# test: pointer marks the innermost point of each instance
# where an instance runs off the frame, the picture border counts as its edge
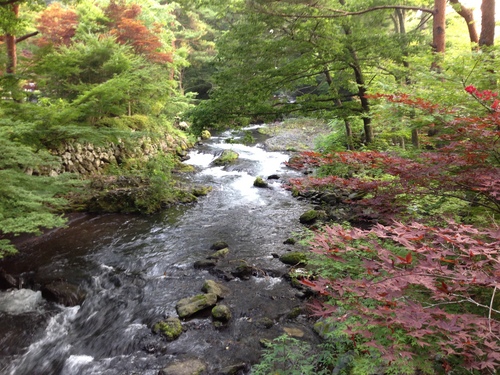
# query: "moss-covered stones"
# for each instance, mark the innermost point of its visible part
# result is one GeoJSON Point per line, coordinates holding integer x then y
{"type": "Point", "coordinates": [294, 258]}
{"type": "Point", "coordinates": [171, 328]}
{"type": "Point", "coordinates": [227, 157]}
{"type": "Point", "coordinates": [191, 305]}
{"type": "Point", "coordinates": [221, 313]}
{"type": "Point", "coordinates": [260, 183]}
{"type": "Point", "coordinates": [309, 217]}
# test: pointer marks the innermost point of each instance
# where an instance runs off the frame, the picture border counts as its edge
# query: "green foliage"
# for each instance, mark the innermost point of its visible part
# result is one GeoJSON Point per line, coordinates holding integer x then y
{"type": "Point", "coordinates": [29, 202]}
{"type": "Point", "coordinates": [286, 356]}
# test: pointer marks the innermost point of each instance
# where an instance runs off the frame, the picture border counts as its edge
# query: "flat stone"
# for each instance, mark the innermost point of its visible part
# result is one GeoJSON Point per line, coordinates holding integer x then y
{"type": "Point", "coordinates": [187, 367]}
{"type": "Point", "coordinates": [211, 286]}
{"type": "Point", "coordinates": [191, 305]}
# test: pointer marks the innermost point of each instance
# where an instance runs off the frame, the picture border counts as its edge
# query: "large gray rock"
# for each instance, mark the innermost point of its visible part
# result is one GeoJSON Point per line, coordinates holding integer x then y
{"type": "Point", "coordinates": [191, 305]}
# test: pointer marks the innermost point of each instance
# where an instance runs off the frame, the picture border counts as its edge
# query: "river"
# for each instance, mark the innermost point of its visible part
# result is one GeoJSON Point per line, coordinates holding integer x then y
{"type": "Point", "coordinates": [134, 269]}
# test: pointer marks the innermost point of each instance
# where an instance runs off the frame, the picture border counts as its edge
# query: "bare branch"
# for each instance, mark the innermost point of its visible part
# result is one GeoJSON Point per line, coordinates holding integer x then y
{"type": "Point", "coordinates": [336, 13]}
{"type": "Point", "coordinates": [24, 37]}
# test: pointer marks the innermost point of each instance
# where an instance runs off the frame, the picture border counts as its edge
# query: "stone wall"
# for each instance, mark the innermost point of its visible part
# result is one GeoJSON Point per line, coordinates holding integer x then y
{"type": "Point", "coordinates": [88, 159]}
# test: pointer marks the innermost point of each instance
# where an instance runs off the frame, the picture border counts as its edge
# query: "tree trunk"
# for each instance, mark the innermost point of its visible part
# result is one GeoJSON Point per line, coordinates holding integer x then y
{"type": "Point", "coordinates": [438, 32]}
{"type": "Point", "coordinates": [365, 104]}
{"type": "Point", "coordinates": [10, 41]}
{"type": "Point", "coordinates": [487, 23]}
{"type": "Point", "coordinates": [468, 17]}
{"type": "Point", "coordinates": [338, 102]}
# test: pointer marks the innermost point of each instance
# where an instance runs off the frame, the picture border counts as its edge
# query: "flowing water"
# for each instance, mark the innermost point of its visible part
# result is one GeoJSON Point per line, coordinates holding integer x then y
{"type": "Point", "coordinates": [134, 269]}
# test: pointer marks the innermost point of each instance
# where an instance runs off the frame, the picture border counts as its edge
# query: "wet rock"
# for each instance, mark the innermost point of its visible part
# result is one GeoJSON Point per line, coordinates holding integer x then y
{"type": "Point", "coordinates": [201, 191]}
{"type": "Point", "coordinates": [204, 264]}
{"type": "Point", "coordinates": [243, 271]}
{"type": "Point", "coordinates": [222, 274]}
{"type": "Point", "coordinates": [221, 313]}
{"type": "Point", "coordinates": [205, 134]}
{"type": "Point", "coordinates": [290, 241]}
{"type": "Point", "coordinates": [330, 199]}
{"type": "Point", "coordinates": [237, 369]}
{"type": "Point", "coordinates": [294, 313]}
{"type": "Point", "coordinates": [186, 367]}
{"type": "Point", "coordinates": [273, 177]}
{"type": "Point", "coordinates": [191, 305]}
{"type": "Point", "coordinates": [309, 217]}
{"type": "Point", "coordinates": [63, 293]}
{"type": "Point", "coordinates": [260, 183]}
{"type": "Point", "coordinates": [266, 322]}
{"type": "Point", "coordinates": [227, 157]}
{"type": "Point", "coordinates": [170, 328]}
{"type": "Point", "coordinates": [6, 280]}
{"type": "Point", "coordinates": [219, 254]}
{"type": "Point", "coordinates": [219, 245]}
{"type": "Point", "coordinates": [211, 286]}
{"type": "Point", "coordinates": [294, 332]}
{"type": "Point", "coordinates": [294, 258]}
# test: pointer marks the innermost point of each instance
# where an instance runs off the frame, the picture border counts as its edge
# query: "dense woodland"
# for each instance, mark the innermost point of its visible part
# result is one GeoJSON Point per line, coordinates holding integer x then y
{"type": "Point", "coordinates": [408, 87]}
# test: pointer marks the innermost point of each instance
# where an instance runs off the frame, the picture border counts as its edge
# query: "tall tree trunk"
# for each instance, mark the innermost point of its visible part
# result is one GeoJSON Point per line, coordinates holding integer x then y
{"type": "Point", "coordinates": [438, 33]}
{"type": "Point", "coordinates": [468, 16]}
{"type": "Point", "coordinates": [10, 41]}
{"type": "Point", "coordinates": [365, 104]}
{"type": "Point", "coordinates": [487, 23]}
{"type": "Point", "coordinates": [338, 102]}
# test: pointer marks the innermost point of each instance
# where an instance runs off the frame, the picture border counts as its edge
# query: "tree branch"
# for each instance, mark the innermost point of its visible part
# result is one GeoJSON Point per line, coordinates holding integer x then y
{"type": "Point", "coordinates": [7, 2]}
{"type": "Point", "coordinates": [24, 37]}
{"type": "Point", "coordinates": [342, 13]}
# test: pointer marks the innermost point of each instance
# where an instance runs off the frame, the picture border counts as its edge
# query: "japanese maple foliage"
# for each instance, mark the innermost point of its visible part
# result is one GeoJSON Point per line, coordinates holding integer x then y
{"type": "Point", "coordinates": [420, 291]}
{"type": "Point", "coordinates": [57, 25]}
{"type": "Point", "coordinates": [409, 279]}
{"type": "Point", "coordinates": [129, 29]}
{"type": "Point", "coordinates": [462, 162]}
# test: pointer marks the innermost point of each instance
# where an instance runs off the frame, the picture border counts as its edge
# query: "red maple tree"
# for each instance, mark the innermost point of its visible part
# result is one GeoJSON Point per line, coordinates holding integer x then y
{"type": "Point", "coordinates": [128, 29]}
{"type": "Point", "coordinates": [57, 25]}
{"type": "Point", "coordinates": [414, 289]}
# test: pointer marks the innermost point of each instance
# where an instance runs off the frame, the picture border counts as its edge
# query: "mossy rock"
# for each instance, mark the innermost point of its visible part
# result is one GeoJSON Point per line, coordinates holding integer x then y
{"type": "Point", "coordinates": [219, 245]}
{"type": "Point", "coordinates": [259, 182]}
{"type": "Point", "coordinates": [171, 328]}
{"type": "Point", "coordinates": [191, 305]}
{"type": "Point", "coordinates": [227, 157]}
{"type": "Point", "coordinates": [294, 258]}
{"type": "Point", "coordinates": [219, 254]}
{"type": "Point", "coordinates": [309, 217]}
{"type": "Point", "coordinates": [205, 134]}
{"type": "Point", "coordinates": [221, 313]}
{"type": "Point", "coordinates": [201, 191]}
{"type": "Point", "coordinates": [210, 286]}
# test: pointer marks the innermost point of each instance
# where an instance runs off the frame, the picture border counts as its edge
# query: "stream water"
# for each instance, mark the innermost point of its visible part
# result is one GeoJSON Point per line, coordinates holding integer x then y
{"type": "Point", "coordinates": [134, 269]}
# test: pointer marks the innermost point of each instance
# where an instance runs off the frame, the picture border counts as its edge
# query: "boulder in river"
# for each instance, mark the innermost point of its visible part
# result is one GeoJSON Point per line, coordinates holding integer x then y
{"type": "Point", "coordinates": [64, 293]}
{"type": "Point", "coordinates": [227, 157]}
{"type": "Point", "coordinates": [221, 313]}
{"type": "Point", "coordinates": [171, 328]}
{"type": "Point", "coordinates": [191, 305]}
{"type": "Point", "coordinates": [219, 245]}
{"type": "Point", "coordinates": [204, 264]}
{"type": "Point", "coordinates": [219, 253]}
{"type": "Point", "coordinates": [211, 286]}
{"type": "Point", "coordinates": [205, 134]}
{"type": "Point", "coordinates": [259, 182]}
{"type": "Point", "coordinates": [186, 367]}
